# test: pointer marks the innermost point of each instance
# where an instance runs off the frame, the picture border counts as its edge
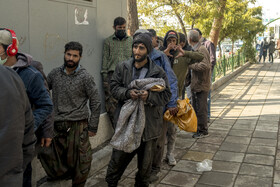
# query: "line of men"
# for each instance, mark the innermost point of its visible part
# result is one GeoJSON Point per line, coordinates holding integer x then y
{"type": "Point", "coordinates": [63, 125]}
{"type": "Point", "coordinates": [175, 58]}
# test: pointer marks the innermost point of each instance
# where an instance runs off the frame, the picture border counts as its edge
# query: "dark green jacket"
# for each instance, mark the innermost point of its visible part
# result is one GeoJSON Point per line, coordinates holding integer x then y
{"type": "Point", "coordinates": [122, 77]}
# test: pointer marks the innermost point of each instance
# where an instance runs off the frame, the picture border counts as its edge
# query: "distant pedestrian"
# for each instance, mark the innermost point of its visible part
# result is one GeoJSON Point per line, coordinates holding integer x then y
{"type": "Point", "coordinates": [138, 67]}
{"type": "Point", "coordinates": [271, 49]}
{"type": "Point", "coordinates": [263, 50]}
{"type": "Point", "coordinates": [17, 137]}
{"type": "Point", "coordinates": [200, 84]}
{"type": "Point", "coordinates": [72, 87]}
{"type": "Point", "coordinates": [116, 49]}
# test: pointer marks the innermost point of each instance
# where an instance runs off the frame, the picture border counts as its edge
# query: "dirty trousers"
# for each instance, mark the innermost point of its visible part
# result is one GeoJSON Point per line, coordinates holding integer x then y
{"type": "Point", "coordinates": [70, 154]}
{"type": "Point", "coordinates": [120, 160]}
{"type": "Point", "coordinates": [199, 103]}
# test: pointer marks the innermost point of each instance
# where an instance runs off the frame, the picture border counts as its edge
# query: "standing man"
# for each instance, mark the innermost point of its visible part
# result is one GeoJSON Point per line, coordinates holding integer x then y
{"type": "Point", "coordinates": [17, 128]}
{"type": "Point", "coordinates": [72, 87]}
{"type": "Point", "coordinates": [125, 73]}
{"type": "Point", "coordinates": [200, 84]}
{"type": "Point", "coordinates": [271, 49]}
{"type": "Point", "coordinates": [38, 95]}
{"type": "Point", "coordinates": [263, 50]}
{"type": "Point", "coordinates": [212, 52]}
{"type": "Point", "coordinates": [278, 47]}
{"type": "Point", "coordinates": [160, 59]}
{"type": "Point", "coordinates": [117, 48]}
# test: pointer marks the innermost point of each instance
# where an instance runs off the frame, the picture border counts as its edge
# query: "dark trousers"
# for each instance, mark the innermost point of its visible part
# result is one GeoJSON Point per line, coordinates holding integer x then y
{"type": "Point", "coordinates": [271, 57]}
{"type": "Point", "coordinates": [120, 160]}
{"type": "Point", "coordinates": [27, 176]}
{"type": "Point", "coordinates": [110, 102]}
{"type": "Point", "coordinates": [159, 149]}
{"type": "Point", "coordinates": [200, 107]}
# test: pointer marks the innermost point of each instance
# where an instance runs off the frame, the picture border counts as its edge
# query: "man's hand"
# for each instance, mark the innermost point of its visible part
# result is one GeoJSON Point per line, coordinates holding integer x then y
{"type": "Point", "coordinates": [173, 110]}
{"type": "Point", "coordinates": [134, 94]}
{"type": "Point", "coordinates": [181, 52]}
{"type": "Point", "coordinates": [144, 95]}
{"type": "Point", "coordinates": [46, 142]}
{"type": "Point", "coordinates": [91, 134]}
{"type": "Point", "coordinates": [169, 47]}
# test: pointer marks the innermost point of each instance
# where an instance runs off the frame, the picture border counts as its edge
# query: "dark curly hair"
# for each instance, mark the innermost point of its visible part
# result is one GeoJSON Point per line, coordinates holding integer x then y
{"type": "Point", "coordinates": [74, 46]}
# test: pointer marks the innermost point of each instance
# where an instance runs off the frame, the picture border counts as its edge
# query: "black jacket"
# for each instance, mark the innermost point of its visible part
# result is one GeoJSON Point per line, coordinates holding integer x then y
{"type": "Point", "coordinates": [122, 77]}
{"type": "Point", "coordinates": [17, 137]}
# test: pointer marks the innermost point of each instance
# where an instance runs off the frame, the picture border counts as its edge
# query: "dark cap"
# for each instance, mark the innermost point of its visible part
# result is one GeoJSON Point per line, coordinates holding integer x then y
{"type": "Point", "coordinates": [144, 38]}
{"type": "Point", "coordinates": [171, 34]}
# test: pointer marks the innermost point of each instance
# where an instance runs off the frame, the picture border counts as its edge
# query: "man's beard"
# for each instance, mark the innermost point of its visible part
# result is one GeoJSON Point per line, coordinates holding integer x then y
{"type": "Point", "coordinates": [140, 59]}
{"type": "Point", "coordinates": [73, 65]}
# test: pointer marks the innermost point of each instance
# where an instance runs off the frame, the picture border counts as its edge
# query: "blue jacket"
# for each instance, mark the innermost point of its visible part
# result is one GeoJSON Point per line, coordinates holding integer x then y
{"type": "Point", "coordinates": [38, 95]}
{"type": "Point", "coordinates": [161, 60]}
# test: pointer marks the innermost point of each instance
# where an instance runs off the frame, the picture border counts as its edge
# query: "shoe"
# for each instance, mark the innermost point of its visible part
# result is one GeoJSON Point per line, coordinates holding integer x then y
{"type": "Point", "coordinates": [153, 178]}
{"type": "Point", "coordinates": [171, 160]}
{"type": "Point", "coordinates": [200, 135]}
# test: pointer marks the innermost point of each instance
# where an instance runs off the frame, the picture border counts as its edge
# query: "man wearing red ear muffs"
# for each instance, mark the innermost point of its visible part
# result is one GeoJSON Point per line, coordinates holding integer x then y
{"type": "Point", "coordinates": [37, 93]}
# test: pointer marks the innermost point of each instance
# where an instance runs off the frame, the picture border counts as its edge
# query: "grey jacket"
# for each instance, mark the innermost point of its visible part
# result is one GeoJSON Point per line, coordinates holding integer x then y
{"type": "Point", "coordinates": [17, 137]}
{"type": "Point", "coordinates": [122, 77]}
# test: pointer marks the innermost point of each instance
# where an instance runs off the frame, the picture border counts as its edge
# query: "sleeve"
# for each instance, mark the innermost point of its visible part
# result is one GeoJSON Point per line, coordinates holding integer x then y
{"type": "Point", "coordinates": [29, 139]}
{"type": "Point", "coordinates": [116, 85]}
{"type": "Point", "coordinates": [194, 55]}
{"type": "Point", "coordinates": [40, 98]}
{"type": "Point", "coordinates": [49, 80]}
{"type": "Point", "coordinates": [202, 65]}
{"type": "Point", "coordinates": [105, 59]}
{"type": "Point", "coordinates": [94, 104]}
{"type": "Point", "coordinates": [173, 82]}
{"type": "Point", "coordinates": [212, 52]}
{"type": "Point", "coordinates": [160, 98]}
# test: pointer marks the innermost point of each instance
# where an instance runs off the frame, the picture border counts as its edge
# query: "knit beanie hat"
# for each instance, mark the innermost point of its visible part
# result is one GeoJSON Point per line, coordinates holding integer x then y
{"type": "Point", "coordinates": [5, 37]}
{"type": "Point", "coordinates": [144, 38]}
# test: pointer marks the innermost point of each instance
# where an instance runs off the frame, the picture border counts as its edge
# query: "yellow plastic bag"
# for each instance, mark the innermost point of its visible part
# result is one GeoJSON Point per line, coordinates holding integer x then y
{"type": "Point", "coordinates": [186, 118]}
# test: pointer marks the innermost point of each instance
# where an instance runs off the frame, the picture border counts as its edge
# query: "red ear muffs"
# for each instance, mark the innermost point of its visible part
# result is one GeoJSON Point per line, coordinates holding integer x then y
{"type": "Point", "coordinates": [12, 49]}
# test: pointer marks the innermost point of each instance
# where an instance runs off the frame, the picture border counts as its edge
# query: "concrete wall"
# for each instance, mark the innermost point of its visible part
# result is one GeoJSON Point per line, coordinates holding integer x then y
{"type": "Point", "coordinates": [44, 26]}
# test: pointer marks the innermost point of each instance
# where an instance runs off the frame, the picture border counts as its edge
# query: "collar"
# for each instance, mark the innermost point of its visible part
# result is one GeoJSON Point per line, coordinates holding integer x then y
{"type": "Point", "coordinates": [116, 38]}
{"type": "Point", "coordinates": [195, 47]}
{"type": "Point", "coordinates": [75, 71]}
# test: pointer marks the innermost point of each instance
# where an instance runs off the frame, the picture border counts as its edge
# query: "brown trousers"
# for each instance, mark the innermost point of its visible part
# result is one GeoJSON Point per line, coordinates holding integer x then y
{"type": "Point", "coordinates": [70, 154]}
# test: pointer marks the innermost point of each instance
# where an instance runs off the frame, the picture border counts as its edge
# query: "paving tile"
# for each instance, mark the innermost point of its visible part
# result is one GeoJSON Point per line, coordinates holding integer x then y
{"type": "Point", "coordinates": [197, 156]}
{"type": "Point", "coordinates": [265, 134]}
{"type": "Point", "coordinates": [225, 121]}
{"type": "Point", "coordinates": [203, 147]}
{"type": "Point", "coordinates": [264, 142]}
{"type": "Point", "coordinates": [276, 176]}
{"type": "Point", "coordinates": [263, 150]}
{"type": "Point", "coordinates": [259, 159]}
{"type": "Point", "coordinates": [127, 182]}
{"type": "Point", "coordinates": [234, 147]}
{"type": "Point", "coordinates": [236, 132]}
{"type": "Point", "coordinates": [180, 179]}
{"type": "Point", "coordinates": [184, 143]}
{"type": "Point", "coordinates": [244, 126]}
{"type": "Point", "coordinates": [227, 167]}
{"type": "Point", "coordinates": [212, 139]}
{"type": "Point", "coordinates": [277, 165]}
{"type": "Point", "coordinates": [220, 126]}
{"type": "Point", "coordinates": [186, 166]}
{"type": "Point", "coordinates": [237, 139]}
{"type": "Point", "coordinates": [257, 170]}
{"type": "Point", "coordinates": [252, 181]}
{"type": "Point", "coordinates": [217, 178]}
{"type": "Point", "coordinates": [229, 156]}
{"type": "Point", "coordinates": [251, 121]}
{"type": "Point", "coordinates": [267, 128]}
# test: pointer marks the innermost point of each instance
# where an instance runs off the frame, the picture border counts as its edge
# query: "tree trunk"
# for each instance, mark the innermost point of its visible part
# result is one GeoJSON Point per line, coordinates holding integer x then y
{"type": "Point", "coordinates": [132, 17]}
{"type": "Point", "coordinates": [217, 23]}
{"type": "Point", "coordinates": [220, 48]}
{"type": "Point", "coordinates": [181, 23]}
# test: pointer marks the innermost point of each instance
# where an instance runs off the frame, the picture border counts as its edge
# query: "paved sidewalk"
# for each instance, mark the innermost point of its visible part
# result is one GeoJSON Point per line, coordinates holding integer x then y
{"type": "Point", "coordinates": [243, 141]}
